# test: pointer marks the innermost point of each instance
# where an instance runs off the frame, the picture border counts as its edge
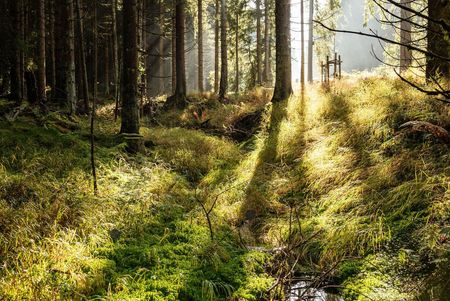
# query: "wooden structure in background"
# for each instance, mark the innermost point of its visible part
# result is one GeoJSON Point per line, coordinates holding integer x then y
{"type": "Point", "coordinates": [337, 68]}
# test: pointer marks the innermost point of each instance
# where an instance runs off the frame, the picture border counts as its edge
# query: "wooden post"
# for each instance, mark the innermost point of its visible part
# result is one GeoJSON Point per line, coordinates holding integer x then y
{"type": "Point", "coordinates": [335, 66]}
{"type": "Point", "coordinates": [340, 67]}
{"type": "Point", "coordinates": [321, 72]}
{"type": "Point", "coordinates": [328, 70]}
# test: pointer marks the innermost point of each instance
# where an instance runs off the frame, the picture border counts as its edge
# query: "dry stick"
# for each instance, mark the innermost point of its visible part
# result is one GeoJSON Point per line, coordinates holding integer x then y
{"type": "Point", "coordinates": [94, 173]}
{"type": "Point", "coordinates": [207, 211]}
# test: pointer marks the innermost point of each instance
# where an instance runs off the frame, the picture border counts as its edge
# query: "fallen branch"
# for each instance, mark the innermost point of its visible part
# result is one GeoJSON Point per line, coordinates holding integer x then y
{"type": "Point", "coordinates": [425, 127]}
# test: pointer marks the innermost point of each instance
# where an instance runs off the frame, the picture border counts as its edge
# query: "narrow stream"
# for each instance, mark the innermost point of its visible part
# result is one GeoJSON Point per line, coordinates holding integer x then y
{"type": "Point", "coordinates": [302, 291]}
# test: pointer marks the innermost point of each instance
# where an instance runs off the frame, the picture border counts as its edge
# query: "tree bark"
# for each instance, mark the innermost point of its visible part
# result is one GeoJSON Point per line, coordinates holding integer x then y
{"type": "Point", "coordinates": [130, 108]}
{"type": "Point", "coordinates": [83, 69]}
{"type": "Point", "coordinates": [258, 43]}
{"type": "Point", "coordinates": [70, 69]}
{"type": "Point", "coordinates": [15, 60]}
{"type": "Point", "coordinates": [311, 41]}
{"type": "Point", "coordinates": [95, 53]}
{"type": "Point", "coordinates": [216, 47]}
{"type": "Point", "coordinates": [107, 64]}
{"type": "Point", "coordinates": [51, 72]}
{"type": "Point", "coordinates": [224, 51]}
{"type": "Point", "coordinates": [302, 45]}
{"type": "Point", "coordinates": [115, 49]}
{"type": "Point", "coordinates": [41, 78]}
{"type": "Point", "coordinates": [405, 37]}
{"type": "Point", "coordinates": [283, 81]}
{"type": "Point", "coordinates": [437, 43]}
{"type": "Point", "coordinates": [178, 99]}
{"type": "Point", "coordinates": [267, 72]}
{"type": "Point", "coordinates": [236, 44]}
{"type": "Point", "coordinates": [200, 45]}
{"type": "Point", "coordinates": [174, 51]}
{"type": "Point", "coordinates": [161, 48]}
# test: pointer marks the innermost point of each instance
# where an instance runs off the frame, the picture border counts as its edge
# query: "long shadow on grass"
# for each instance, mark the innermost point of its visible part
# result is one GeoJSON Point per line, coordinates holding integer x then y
{"type": "Point", "coordinates": [259, 204]}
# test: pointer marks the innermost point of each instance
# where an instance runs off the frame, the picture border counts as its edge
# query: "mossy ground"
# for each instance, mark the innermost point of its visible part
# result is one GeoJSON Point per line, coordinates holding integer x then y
{"type": "Point", "coordinates": [376, 203]}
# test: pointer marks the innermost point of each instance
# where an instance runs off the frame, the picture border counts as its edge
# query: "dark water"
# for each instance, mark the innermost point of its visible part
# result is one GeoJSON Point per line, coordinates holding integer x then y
{"type": "Point", "coordinates": [302, 291]}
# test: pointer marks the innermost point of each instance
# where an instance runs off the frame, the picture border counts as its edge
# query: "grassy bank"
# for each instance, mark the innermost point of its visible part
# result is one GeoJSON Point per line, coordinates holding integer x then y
{"type": "Point", "coordinates": [329, 169]}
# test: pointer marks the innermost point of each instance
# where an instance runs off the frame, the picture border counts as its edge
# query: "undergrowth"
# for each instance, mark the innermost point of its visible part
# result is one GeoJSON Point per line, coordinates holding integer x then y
{"type": "Point", "coordinates": [329, 167]}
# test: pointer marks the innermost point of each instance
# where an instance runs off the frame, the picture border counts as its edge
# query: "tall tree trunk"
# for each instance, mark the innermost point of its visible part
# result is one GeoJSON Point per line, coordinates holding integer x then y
{"type": "Point", "coordinates": [236, 45]}
{"type": "Point", "coordinates": [216, 46]}
{"type": "Point", "coordinates": [283, 81]}
{"type": "Point", "coordinates": [16, 70]}
{"type": "Point", "coordinates": [405, 37]}
{"type": "Point", "coordinates": [62, 20]}
{"type": "Point", "coordinates": [174, 50]}
{"type": "Point", "coordinates": [200, 45]}
{"type": "Point", "coordinates": [83, 69]}
{"type": "Point", "coordinates": [70, 68]}
{"type": "Point", "coordinates": [179, 98]}
{"type": "Point", "coordinates": [302, 45]}
{"type": "Point", "coordinates": [437, 43]}
{"type": "Point", "coordinates": [107, 70]}
{"type": "Point", "coordinates": [161, 47]}
{"type": "Point", "coordinates": [267, 72]}
{"type": "Point", "coordinates": [51, 72]}
{"type": "Point", "coordinates": [258, 43]}
{"type": "Point", "coordinates": [41, 78]}
{"type": "Point", "coordinates": [224, 51]}
{"type": "Point", "coordinates": [95, 53]}
{"type": "Point", "coordinates": [23, 37]}
{"type": "Point", "coordinates": [115, 57]}
{"type": "Point", "coordinates": [311, 41]}
{"type": "Point", "coordinates": [130, 108]}
{"type": "Point", "coordinates": [143, 56]}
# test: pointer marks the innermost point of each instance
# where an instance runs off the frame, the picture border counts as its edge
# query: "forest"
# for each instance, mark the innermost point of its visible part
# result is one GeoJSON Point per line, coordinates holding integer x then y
{"type": "Point", "coordinates": [234, 150]}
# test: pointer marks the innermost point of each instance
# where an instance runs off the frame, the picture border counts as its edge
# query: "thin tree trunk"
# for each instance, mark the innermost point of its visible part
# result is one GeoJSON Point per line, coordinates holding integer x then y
{"type": "Point", "coordinates": [93, 168]}
{"type": "Point", "coordinates": [23, 37]}
{"type": "Point", "coordinates": [258, 43]}
{"type": "Point", "coordinates": [236, 43]}
{"type": "Point", "coordinates": [224, 51]}
{"type": "Point", "coordinates": [115, 49]}
{"type": "Point", "coordinates": [216, 47]}
{"type": "Point", "coordinates": [95, 53]}
{"type": "Point", "coordinates": [179, 98]}
{"type": "Point", "coordinates": [143, 57]}
{"type": "Point", "coordinates": [405, 37]}
{"type": "Point", "coordinates": [70, 69]}
{"type": "Point", "coordinates": [130, 108]}
{"type": "Point", "coordinates": [302, 45]}
{"type": "Point", "coordinates": [51, 46]}
{"type": "Point", "coordinates": [200, 46]}
{"type": "Point", "coordinates": [107, 64]}
{"type": "Point", "coordinates": [311, 41]}
{"type": "Point", "coordinates": [267, 73]}
{"type": "Point", "coordinates": [94, 98]}
{"type": "Point", "coordinates": [41, 78]}
{"type": "Point", "coordinates": [16, 70]}
{"type": "Point", "coordinates": [174, 52]}
{"type": "Point", "coordinates": [283, 81]}
{"type": "Point", "coordinates": [83, 69]}
{"type": "Point", "coordinates": [62, 20]}
{"type": "Point", "coordinates": [161, 47]}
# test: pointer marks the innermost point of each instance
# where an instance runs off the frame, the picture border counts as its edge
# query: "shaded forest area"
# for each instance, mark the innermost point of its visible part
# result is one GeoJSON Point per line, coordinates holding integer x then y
{"type": "Point", "coordinates": [221, 150]}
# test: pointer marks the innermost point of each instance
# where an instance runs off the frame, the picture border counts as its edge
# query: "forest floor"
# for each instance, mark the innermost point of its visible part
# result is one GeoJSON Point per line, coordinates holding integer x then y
{"type": "Point", "coordinates": [369, 203]}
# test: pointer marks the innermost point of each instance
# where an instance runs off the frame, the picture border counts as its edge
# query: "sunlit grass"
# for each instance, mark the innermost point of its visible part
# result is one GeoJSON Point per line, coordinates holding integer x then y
{"type": "Point", "coordinates": [332, 155]}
